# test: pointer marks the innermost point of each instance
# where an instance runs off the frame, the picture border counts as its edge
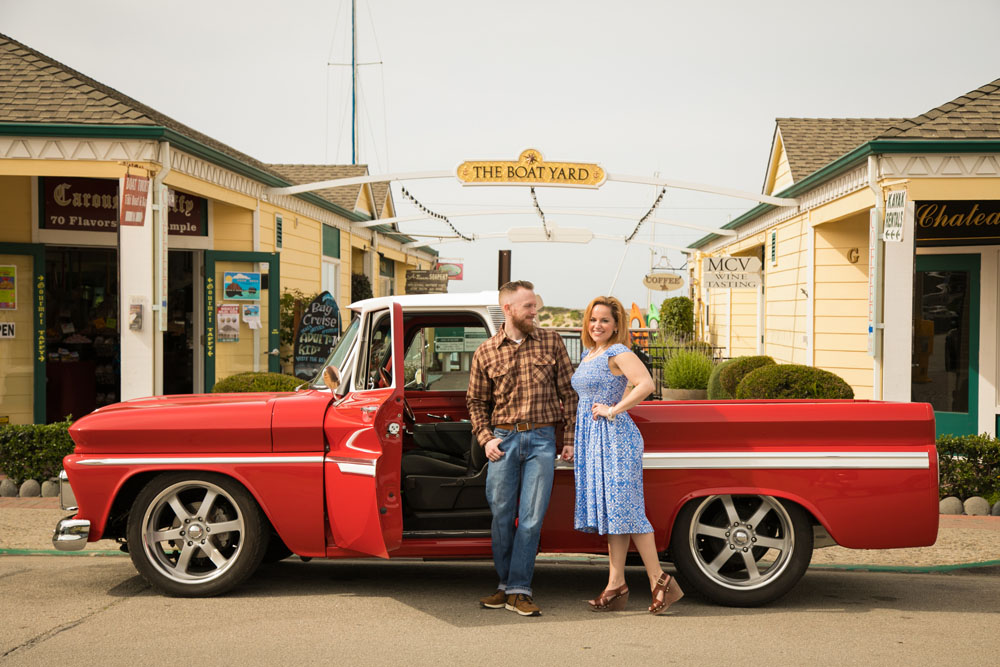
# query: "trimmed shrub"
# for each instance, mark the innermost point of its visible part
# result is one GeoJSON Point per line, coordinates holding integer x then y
{"type": "Point", "coordinates": [730, 376]}
{"type": "Point", "coordinates": [970, 466]}
{"type": "Point", "coordinates": [34, 451]}
{"type": "Point", "coordinates": [677, 316]}
{"type": "Point", "coordinates": [792, 381]}
{"type": "Point", "coordinates": [361, 287]}
{"type": "Point", "coordinates": [715, 390]}
{"type": "Point", "coordinates": [253, 382]}
{"type": "Point", "coordinates": [687, 370]}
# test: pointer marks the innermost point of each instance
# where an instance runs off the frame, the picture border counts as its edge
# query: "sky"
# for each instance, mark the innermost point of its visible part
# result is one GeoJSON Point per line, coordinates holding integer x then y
{"type": "Point", "coordinates": [687, 91]}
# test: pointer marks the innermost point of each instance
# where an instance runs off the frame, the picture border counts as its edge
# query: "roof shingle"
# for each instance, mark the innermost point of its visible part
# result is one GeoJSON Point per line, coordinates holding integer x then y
{"type": "Point", "coordinates": [812, 143]}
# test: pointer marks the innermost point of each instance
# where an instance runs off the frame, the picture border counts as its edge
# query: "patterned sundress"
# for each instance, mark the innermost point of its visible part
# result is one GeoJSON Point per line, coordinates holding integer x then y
{"type": "Point", "coordinates": [607, 455]}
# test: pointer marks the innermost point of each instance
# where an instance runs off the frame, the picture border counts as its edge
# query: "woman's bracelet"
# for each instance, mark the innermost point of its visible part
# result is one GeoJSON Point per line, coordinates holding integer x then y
{"type": "Point", "coordinates": [611, 413]}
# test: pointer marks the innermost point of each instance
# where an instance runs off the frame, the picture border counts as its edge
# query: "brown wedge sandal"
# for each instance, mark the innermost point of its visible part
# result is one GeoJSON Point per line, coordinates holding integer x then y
{"type": "Point", "coordinates": [613, 599]}
{"type": "Point", "coordinates": [671, 593]}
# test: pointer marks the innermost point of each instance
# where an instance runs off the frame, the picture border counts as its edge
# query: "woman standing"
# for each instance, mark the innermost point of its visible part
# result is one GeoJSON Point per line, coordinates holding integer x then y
{"type": "Point", "coordinates": [608, 455]}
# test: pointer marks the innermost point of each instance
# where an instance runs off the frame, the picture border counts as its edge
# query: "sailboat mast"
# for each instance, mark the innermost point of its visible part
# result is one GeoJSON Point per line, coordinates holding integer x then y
{"type": "Point", "coordinates": [354, 82]}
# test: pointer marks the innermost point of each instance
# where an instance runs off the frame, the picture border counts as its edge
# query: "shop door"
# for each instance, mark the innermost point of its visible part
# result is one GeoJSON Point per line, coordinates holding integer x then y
{"type": "Point", "coordinates": [22, 333]}
{"type": "Point", "coordinates": [946, 340]}
{"type": "Point", "coordinates": [241, 288]}
{"type": "Point", "coordinates": [178, 339]}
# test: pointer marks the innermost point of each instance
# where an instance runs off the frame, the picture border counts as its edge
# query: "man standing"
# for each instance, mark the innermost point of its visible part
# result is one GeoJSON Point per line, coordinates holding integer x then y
{"type": "Point", "coordinates": [519, 391]}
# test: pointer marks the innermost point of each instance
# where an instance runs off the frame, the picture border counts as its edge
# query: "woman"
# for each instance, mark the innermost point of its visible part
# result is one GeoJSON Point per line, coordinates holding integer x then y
{"type": "Point", "coordinates": [608, 454]}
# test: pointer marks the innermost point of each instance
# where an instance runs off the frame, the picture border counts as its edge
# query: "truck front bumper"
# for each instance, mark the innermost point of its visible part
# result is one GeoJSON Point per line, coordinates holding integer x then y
{"type": "Point", "coordinates": [71, 534]}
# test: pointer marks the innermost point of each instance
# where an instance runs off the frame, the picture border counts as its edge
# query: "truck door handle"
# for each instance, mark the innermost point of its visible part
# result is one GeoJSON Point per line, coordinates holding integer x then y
{"type": "Point", "coordinates": [369, 408]}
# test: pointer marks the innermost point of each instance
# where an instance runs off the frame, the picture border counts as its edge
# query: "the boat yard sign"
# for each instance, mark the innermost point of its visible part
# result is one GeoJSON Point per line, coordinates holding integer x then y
{"type": "Point", "coordinates": [725, 272]}
{"type": "Point", "coordinates": [531, 169]}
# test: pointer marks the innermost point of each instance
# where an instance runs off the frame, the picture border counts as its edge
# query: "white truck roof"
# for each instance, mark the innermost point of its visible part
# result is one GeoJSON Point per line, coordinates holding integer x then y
{"type": "Point", "coordinates": [450, 300]}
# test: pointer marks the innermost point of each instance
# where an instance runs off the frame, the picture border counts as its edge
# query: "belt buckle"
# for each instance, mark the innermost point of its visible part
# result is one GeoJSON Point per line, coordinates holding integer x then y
{"type": "Point", "coordinates": [523, 426]}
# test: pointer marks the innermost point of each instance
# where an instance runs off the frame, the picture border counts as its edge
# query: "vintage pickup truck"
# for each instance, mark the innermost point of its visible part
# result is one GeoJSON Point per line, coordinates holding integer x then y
{"type": "Point", "coordinates": [378, 460]}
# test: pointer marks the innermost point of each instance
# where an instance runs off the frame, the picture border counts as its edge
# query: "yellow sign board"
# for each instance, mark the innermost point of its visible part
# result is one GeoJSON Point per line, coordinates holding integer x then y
{"type": "Point", "coordinates": [531, 169]}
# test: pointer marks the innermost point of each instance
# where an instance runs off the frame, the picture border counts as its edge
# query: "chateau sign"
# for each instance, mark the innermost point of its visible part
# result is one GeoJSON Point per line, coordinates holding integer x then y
{"type": "Point", "coordinates": [531, 169]}
{"type": "Point", "coordinates": [957, 222]}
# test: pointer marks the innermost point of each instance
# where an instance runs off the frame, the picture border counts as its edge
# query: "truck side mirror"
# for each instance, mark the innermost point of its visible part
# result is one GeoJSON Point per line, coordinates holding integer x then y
{"type": "Point", "coordinates": [331, 377]}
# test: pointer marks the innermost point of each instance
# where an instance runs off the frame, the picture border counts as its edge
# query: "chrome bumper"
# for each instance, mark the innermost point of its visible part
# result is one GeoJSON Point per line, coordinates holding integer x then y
{"type": "Point", "coordinates": [67, 500]}
{"type": "Point", "coordinates": [71, 534]}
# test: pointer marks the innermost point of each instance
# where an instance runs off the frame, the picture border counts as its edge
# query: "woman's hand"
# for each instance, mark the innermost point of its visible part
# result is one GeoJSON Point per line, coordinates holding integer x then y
{"type": "Point", "coordinates": [600, 411]}
{"type": "Point", "coordinates": [567, 453]}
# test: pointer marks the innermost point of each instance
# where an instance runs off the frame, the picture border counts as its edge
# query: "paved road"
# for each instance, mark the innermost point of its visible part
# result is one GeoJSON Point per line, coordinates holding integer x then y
{"type": "Point", "coordinates": [77, 610]}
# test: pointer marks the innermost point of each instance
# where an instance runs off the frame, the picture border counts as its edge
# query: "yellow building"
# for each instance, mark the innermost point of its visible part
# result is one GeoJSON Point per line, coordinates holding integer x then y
{"type": "Point", "coordinates": [93, 312]}
{"type": "Point", "coordinates": [910, 317]}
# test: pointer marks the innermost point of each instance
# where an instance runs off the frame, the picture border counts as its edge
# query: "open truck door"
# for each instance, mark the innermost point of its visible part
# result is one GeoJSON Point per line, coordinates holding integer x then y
{"type": "Point", "coordinates": [365, 434]}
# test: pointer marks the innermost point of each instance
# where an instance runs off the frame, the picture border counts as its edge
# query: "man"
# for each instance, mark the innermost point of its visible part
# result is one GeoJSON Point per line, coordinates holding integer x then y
{"type": "Point", "coordinates": [519, 391]}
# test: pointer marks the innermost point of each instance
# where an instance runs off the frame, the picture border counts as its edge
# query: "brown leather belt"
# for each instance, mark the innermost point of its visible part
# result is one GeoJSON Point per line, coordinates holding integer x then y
{"type": "Point", "coordinates": [524, 426]}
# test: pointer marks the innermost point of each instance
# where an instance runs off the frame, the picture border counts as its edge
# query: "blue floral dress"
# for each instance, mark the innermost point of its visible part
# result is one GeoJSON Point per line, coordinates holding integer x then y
{"type": "Point", "coordinates": [607, 456]}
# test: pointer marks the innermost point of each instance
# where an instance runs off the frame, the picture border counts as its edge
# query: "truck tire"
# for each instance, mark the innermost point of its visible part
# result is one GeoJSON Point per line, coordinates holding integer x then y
{"type": "Point", "coordinates": [194, 534]}
{"type": "Point", "coordinates": [741, 551]}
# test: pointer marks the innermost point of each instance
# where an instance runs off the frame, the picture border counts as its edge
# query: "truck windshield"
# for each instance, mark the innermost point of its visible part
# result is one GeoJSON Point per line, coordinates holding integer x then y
{"type": "Point", "coordinates": [340, 351]}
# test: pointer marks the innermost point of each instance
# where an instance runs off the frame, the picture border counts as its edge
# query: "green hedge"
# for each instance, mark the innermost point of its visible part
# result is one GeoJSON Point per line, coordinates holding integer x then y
{"type": "Point", "coordinates": [715, 390]}
{"type": "Point", "coordinates": [733, 373]}
{"type": "Point", "coordinates": [34, 451]}
{"type": "Point", "coordinates": [793, 381]}
{"type": "Point", "coordinates": [677, 316]}
{"type": "Point", "coordinates": [970, 466]}
{"type": "Point", "coordinates": [687, 369]}
{"type": "Point", "coordinates": [251, 382]}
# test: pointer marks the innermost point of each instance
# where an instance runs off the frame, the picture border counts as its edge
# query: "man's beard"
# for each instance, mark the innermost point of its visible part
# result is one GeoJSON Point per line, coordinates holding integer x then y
{"type": "Point", "coordinates": [524, 324]}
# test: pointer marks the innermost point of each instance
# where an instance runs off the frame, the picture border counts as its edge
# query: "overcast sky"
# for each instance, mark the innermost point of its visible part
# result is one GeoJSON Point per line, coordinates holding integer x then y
{"type": "Point", "coordinates": [686, 90]}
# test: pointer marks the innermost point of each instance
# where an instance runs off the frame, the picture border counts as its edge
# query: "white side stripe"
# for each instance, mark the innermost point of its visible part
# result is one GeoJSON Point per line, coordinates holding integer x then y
{"type": "Point", "coordinates": [353, 466]}
{"type": "Point", "coordinates": [199, 460]}
{"type": "Point", "coordinates": [777, 460]}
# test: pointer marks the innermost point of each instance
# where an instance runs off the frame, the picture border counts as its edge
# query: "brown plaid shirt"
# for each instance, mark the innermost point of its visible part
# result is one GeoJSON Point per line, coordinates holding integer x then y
{"type": "Point", "coordinates": [530, 382]}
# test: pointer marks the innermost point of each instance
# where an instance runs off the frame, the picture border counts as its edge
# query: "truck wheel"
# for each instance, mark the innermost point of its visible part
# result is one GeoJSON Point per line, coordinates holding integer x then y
{"type": "Point", "coordinates": [196, 534]}
{"type": "Point", "coordinates": [741, 551]}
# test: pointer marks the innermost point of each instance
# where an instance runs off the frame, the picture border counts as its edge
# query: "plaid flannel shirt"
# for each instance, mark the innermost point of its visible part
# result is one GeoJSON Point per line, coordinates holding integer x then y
{"type": "Point", "coordinates": [526, 382]}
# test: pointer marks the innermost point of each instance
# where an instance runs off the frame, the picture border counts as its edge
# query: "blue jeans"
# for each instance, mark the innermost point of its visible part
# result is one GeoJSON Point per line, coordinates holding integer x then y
{"type": "Point", "coordinates": [519, 485]}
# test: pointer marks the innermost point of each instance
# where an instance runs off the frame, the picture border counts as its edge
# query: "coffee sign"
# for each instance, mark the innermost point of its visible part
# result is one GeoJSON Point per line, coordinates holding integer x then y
{"type": "Point", "coordinates": [531, 169]}
{"type": "Point", "coordinates": [664, 282]}
{"type": "Point", "coordinates": [319, 330]}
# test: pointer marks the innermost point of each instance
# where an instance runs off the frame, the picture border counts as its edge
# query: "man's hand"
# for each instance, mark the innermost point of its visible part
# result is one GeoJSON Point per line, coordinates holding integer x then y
{"type": "Point", "coordinates": [492, 448]}
{"type": "Point", "coordinates": [567, 453]}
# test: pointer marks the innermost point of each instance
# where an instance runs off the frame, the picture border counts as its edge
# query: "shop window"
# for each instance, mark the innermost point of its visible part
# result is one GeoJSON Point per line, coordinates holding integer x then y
{"type": "Point", "coordinates": [331, 242]}
{"type": "Point", "coordinates": [330, 280]}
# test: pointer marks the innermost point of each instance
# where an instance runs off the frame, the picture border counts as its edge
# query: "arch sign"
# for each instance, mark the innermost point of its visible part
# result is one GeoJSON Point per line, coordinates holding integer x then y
{"type": "Point", "coordinates": [531, 169]}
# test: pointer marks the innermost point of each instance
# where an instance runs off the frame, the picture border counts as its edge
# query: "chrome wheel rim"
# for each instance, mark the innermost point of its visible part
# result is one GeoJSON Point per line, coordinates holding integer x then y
{"type": "Point", "coordinates": [741, 542]}
{"type": "Point", "coordinates": [192, 532]}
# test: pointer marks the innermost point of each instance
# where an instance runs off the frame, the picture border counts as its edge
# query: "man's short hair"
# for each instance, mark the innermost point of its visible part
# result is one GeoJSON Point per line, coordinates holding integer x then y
{"type": "Point", "coordinates": [508, 289]}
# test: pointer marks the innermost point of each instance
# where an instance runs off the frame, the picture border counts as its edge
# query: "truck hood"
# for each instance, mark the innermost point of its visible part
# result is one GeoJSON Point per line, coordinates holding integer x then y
{"type": "Point", "coordinates": [179, 424]}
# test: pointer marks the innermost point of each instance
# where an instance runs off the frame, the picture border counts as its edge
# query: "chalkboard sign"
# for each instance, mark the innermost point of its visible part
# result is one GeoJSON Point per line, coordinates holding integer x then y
{"type": "Point", "coordinates": [319, 331]}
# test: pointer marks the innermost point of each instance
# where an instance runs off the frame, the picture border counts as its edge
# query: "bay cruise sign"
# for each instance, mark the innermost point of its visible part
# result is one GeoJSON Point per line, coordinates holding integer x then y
{"type": "Point", "coordinates": [727, 272]}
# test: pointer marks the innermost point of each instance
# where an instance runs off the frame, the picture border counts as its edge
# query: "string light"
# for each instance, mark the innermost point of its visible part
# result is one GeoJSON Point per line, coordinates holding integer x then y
{"type": "Point", "coordinates": [649, 213]}
{"type": "Point", "coordinates": [545, 226]}
{"type": "Point", "coordinates": [432, 214]}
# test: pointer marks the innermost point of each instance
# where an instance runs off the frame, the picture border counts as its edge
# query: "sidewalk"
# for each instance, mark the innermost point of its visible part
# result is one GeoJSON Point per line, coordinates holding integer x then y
{"type": "Point", "coordinates": [963, 541]}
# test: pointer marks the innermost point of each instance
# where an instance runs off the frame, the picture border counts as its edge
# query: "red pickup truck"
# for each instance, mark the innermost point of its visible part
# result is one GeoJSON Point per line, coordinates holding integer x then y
{"type": "Point", "coordinates": [375, 458]}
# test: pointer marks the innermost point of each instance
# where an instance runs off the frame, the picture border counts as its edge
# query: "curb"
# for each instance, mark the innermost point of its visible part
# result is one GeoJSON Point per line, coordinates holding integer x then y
{"type": "Point", "coordinates": [908, 569]}
{"type": "Point", "coordinates": [56, 552]}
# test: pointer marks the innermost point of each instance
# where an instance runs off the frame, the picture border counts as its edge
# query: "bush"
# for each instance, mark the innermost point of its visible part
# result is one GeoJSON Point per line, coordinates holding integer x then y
{"type": "Point", "coordinates": [792, 381]}
{"type": "Point", "coordinates": [361, 287]}
{"type": "Point", "coordinates": [730, 376]}
{"type": "Point", "coordinates": [687, 369]}
{"type": "Point", "coordinates": [715, 390]}
{"type": "Point", "coordinates": [970, 466]}
{"type": "Point", "coordinates": [677, 316]}
{"type": "Point", "coordinates": [251, 382]}
{"type": "Point", "coordinates": [34, 451]}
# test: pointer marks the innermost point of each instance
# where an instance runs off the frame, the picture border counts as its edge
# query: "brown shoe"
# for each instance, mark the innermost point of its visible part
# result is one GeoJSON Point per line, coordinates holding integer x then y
{"type": "Point", "coordinates": [523, 605]}
{"type": "Point", "coordinates": [495, 601]}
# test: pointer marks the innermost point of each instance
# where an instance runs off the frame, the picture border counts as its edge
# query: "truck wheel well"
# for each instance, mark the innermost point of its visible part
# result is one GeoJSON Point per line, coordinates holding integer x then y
{"type": "Point", "coordinates": [118, 515]}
